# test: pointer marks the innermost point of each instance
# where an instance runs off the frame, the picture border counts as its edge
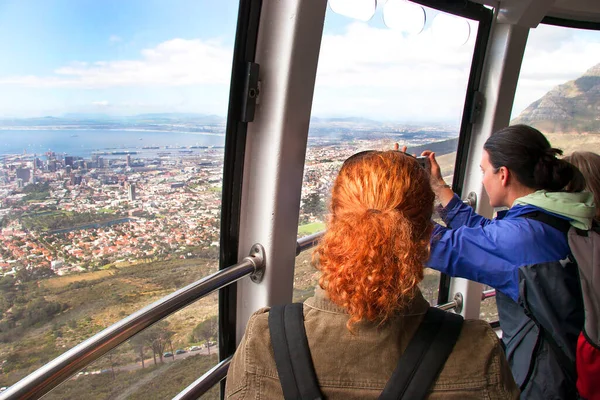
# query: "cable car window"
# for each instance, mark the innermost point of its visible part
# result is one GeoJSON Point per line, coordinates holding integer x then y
{"type": "Point", "coordinates": [558, 86]}
{"type": "Point", "coordinates": [557, 94]}
{"type": "Point", "coordinates": [382, 78]}
{"type": "Point", "coordinates": [112, 127]}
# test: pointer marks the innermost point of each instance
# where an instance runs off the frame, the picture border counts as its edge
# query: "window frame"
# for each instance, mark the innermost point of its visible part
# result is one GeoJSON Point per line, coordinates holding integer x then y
{"type": "Point", "coordinates": [233, 168]}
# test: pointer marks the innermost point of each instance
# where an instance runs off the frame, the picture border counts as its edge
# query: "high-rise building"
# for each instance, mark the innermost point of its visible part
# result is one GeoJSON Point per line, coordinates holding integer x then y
{"type": "Point", "coordinates": [51, 165]}
{"type": "Point", "coordinates": [128, 158]}
{"type": "Point", "coordinates": [131, 191]}
{"type": "Point", "coordinates": [69, 160]}
{"type": "Point", "coordinates": [24, 174]}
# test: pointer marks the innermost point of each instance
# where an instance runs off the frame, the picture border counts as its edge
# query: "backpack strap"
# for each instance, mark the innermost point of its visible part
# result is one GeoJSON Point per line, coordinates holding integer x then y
{"type": "Point", "coordinates": [561, 224]}
{"type": "Point", "coordinates": [292, 354]}
{"type": "Point", "coordinates": [425, 356]}
{"type": "Point", "coordinates": [417, 368]}
{"type": "Point", "coordinates": [566, 364]}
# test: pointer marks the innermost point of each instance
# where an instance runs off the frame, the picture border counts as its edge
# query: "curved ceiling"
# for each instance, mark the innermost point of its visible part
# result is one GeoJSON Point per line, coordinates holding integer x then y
{"type": "Point", "coordinates": [531, 12]}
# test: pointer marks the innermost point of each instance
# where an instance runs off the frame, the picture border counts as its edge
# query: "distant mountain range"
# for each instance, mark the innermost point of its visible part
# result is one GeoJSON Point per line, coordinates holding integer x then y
{"type": "Point", "coordinates": [573, 107]}
{"type": "Point", "coordinates": [337, 129]}
{"type": "Point", "coordinates": [92, 120]}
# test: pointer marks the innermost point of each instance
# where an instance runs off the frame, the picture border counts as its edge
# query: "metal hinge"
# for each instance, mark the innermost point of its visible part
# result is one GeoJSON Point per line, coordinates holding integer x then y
{"type": "Point", "coordinates": [251, 92]}
{"type": "Point", "coordinates": [476, 107]}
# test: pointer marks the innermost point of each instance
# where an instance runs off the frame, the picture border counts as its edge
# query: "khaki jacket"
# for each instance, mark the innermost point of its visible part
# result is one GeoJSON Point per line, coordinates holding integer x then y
{"type": "Point", "coordinates": [358, 366]}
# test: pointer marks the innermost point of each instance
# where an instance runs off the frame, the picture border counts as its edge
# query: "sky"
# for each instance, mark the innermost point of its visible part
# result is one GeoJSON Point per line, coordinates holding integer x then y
{"type": "Point", "coordinates": [141, 56]}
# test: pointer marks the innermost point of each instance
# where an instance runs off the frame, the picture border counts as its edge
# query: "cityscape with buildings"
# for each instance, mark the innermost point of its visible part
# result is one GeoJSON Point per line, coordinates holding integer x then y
{"type": "Point", "coordinates": [75, 213]}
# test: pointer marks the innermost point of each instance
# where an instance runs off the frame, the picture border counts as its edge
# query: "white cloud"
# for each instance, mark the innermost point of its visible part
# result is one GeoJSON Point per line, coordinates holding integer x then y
{"type": "Point", "coordinates": [380, 73]}
{"type": "Point", "coordinates": [363, 71]}
{"type": "Point", "coordinates": [177, 62]}
{"type": "Point", "coordinates": [114, 39]}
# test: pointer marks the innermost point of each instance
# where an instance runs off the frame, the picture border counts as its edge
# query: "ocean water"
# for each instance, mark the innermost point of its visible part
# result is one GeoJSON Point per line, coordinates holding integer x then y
{"type": "Point", "coordinates": [83, 142]}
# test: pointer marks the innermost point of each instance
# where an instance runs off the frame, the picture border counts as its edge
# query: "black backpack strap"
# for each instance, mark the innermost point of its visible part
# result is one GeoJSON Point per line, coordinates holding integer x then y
{"type": "Point", "coordinates": [561, 224]}
{"type": "Point", "coordinates": [566, 364]}
{"type": "Point", "coordinates": [292, 355]}
{"type": "Point", "coordinates": [425, 356]}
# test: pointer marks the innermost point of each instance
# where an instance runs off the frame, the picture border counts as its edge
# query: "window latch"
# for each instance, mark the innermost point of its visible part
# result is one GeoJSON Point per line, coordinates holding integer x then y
{"type": "Point", "coordinates": [251, 92]}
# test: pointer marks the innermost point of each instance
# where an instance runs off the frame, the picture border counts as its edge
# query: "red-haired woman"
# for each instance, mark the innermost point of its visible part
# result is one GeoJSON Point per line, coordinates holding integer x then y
{"type": "Point", "coordinates": [367, 306]}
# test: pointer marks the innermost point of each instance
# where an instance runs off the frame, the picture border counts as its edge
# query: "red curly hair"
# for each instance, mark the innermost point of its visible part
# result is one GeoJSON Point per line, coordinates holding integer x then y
{"type": "Point", "coordinates": [377, 238]}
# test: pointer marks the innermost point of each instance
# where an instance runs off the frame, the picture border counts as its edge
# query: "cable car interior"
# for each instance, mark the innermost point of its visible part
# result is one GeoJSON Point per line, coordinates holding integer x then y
{"type": "Point", "coordinates": [165, 167]}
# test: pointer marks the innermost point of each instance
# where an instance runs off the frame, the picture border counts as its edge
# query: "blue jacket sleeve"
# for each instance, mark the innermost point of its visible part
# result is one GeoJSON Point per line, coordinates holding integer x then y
{"type": "Point", "coordinates": [456, 214]}
{"type": "Point", "coordinates": [492, 253]}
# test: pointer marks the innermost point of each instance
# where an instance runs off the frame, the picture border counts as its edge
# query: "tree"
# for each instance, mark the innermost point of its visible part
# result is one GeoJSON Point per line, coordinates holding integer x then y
{"type": "Point", "coordinates": [206, 330]}
{"type": "Point", "coordinates": [313, 204]}
{"type": "Point", "coordinates": [28, 274]}
{"type": "Point", "coordinates": [138, 342]}
{"type": "Point", "coordinates": [157, 338]}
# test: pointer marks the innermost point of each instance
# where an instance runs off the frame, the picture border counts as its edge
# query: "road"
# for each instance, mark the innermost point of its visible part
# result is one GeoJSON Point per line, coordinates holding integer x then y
{"type": "Point", "coordinates": [150, 361]}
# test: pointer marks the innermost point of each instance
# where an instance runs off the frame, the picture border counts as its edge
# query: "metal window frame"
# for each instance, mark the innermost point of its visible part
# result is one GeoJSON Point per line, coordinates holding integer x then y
{"type": "Point", "coordinates": [287, 52]}
{"type": "Point", "coordinates": [233, 168]}
{"type": "Point", "coordinates": [571, 23]}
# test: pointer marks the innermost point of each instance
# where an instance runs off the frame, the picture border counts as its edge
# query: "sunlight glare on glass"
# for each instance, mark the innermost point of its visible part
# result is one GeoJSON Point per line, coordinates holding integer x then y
{"type": "Point", "coordinates": [404, 16]}
{"type": "Point", "coordinates": [362, 10]}
{"type": "Point", "coordinates": [450, 30]}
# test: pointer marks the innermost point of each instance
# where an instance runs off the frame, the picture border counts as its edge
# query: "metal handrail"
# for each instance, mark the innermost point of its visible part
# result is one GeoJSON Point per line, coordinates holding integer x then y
{"type": "Point", "coordinates": [50, 375]}
{"type": "Point", "coordinates": [203, 384]}
{"type": "Point", "coordinates": [486, 294]}
{"type": "Point", "coordinates": [307, 242]}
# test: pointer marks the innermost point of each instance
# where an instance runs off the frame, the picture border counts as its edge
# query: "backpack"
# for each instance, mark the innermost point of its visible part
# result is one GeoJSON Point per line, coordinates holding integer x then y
{"type": "Point", "coordinates": [417, 368]}
{"type": "Point", "coordinates": [585, 250]}
{"type": "Point", "coordinates": [585, 247]}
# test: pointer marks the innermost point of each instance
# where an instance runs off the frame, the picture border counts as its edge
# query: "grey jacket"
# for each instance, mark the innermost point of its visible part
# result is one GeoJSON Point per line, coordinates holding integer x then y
{"type": "Point", "coordinates": [357, 366]}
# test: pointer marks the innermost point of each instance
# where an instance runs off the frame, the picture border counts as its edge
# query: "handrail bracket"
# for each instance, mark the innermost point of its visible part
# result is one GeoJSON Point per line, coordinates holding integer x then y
{"type": "Point", "coordinates": [257, 258]}
{"type": "Point", "coordinates": [458, 299]}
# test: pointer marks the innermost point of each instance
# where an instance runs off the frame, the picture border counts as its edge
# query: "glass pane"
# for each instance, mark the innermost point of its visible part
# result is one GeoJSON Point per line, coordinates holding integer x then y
{"type": "Point", "coordinates": [112, 123]}
{"type": "Point", "coordinates": [158, 363]}
{"type": "Point", "coordinates": [377, 86]}
{"type": "Point", "coordinates": [558, 86]}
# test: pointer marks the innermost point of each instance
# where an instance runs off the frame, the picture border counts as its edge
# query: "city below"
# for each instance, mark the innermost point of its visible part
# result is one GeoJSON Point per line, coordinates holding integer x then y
{"type": "Point", "coordinates": [138, 198]}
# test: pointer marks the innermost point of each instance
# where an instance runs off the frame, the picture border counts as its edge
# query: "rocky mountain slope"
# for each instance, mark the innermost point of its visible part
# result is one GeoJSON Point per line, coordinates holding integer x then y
{"type": "Point", "coordinates": [573, 107]}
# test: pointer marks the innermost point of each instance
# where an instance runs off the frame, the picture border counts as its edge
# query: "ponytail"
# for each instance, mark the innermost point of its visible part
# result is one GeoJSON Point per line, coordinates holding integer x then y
{"type": "Point", "coordinates": [526, 152]}
{"type": "Point", "coordinates": [377, 239]}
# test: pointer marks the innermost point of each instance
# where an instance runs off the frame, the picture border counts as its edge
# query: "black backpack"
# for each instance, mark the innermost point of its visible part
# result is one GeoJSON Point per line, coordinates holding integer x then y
{"type": "Point", "coordinates": [585, 251]}
{"type": "Point", "coordinates": [417, 368]}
